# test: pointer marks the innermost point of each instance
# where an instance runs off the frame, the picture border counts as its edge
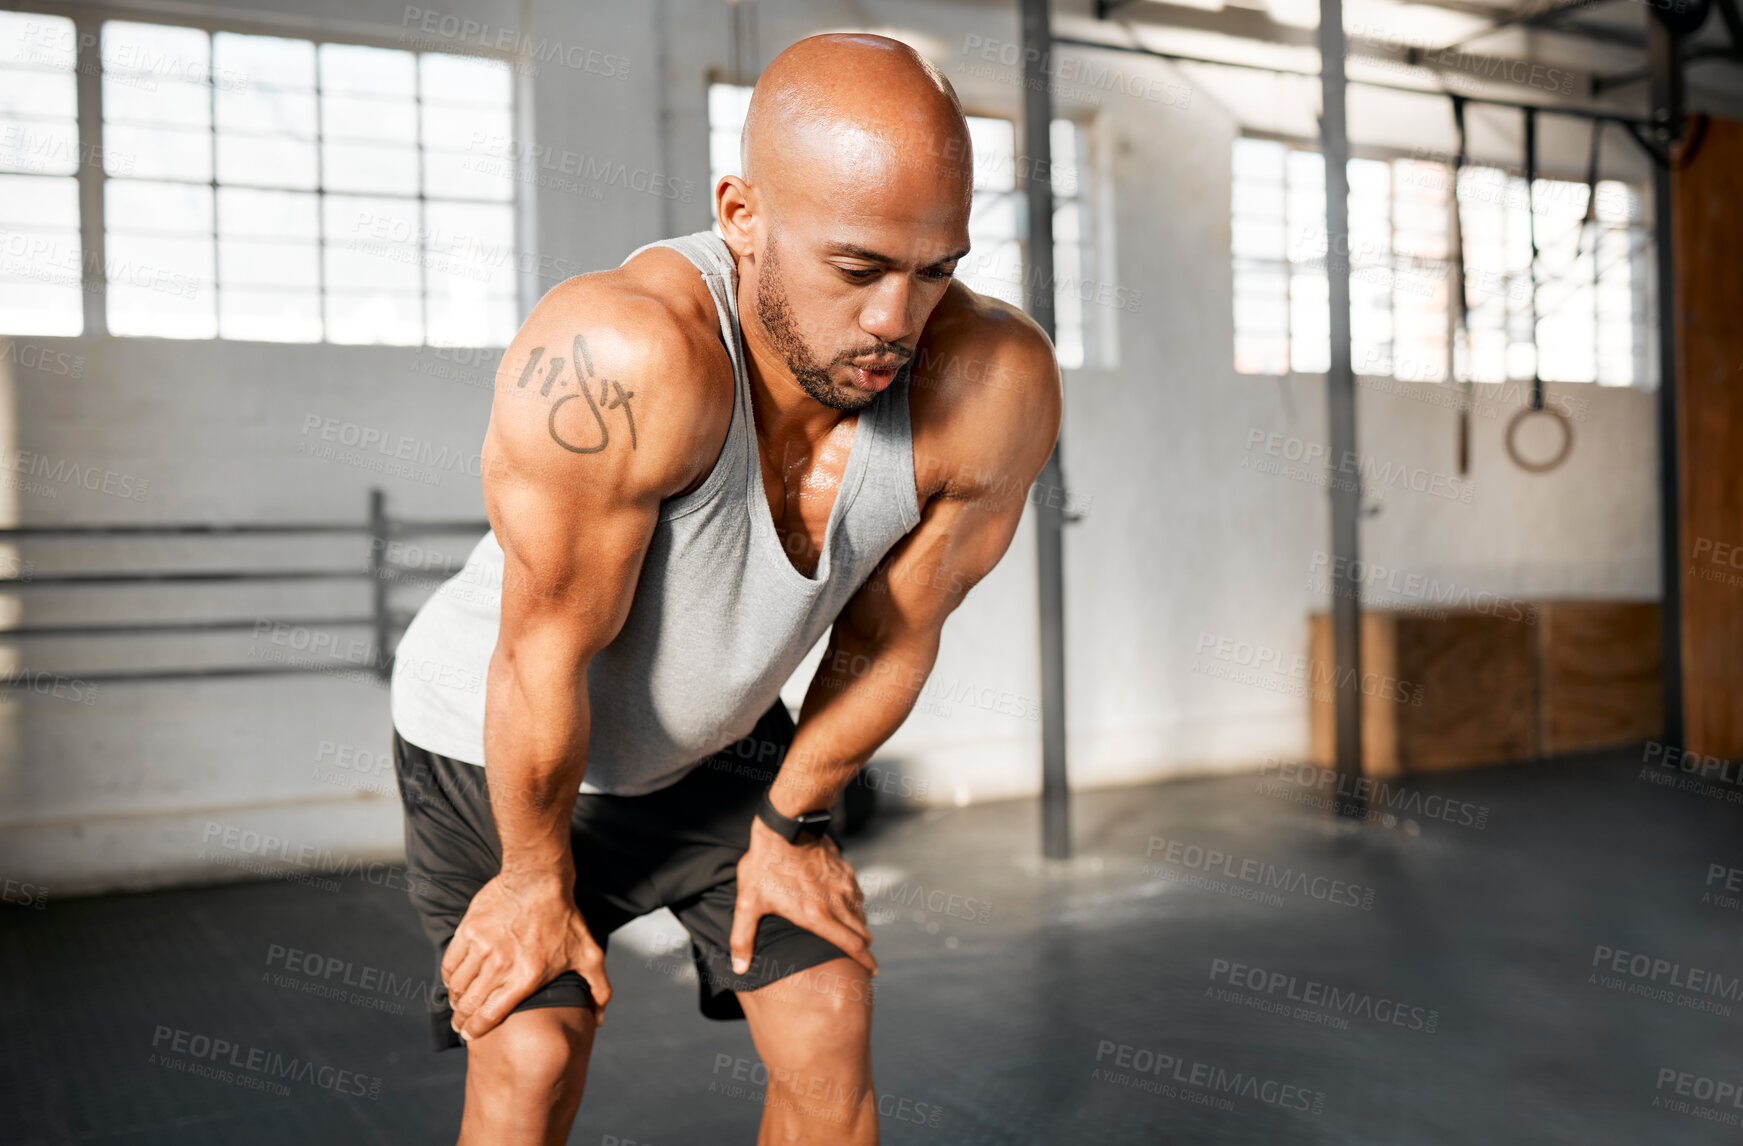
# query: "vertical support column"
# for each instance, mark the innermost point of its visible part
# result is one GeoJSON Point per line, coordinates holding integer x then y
{"type": "Point", "coordinates": [1663, 49]}
{"type": "Point", "coordinates": [378, 580]}
{"type": "Point", "coordinates": [1344, 488]}
{"type": "Point", "coordinates": [88, 76]}
{"type": "Point", "coordinates": [1050, 518]}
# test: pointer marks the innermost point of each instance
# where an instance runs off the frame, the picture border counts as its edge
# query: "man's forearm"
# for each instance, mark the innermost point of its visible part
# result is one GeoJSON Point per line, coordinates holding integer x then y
{"type": "Point", "coordinates": [863, 690]}
{"type": "Point", "coordinates": [535, 753]}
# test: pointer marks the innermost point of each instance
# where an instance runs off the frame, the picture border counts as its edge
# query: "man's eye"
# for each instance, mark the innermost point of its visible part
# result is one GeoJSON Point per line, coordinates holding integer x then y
{"type": "Point", "coordinates": [938, 274]}
{"type": "Point", "coordinates": [860, 275]}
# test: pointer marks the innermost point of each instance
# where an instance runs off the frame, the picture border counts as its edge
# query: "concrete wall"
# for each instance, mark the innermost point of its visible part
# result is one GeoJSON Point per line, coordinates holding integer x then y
{"type": "Point", "coordinates": [1192, 541]}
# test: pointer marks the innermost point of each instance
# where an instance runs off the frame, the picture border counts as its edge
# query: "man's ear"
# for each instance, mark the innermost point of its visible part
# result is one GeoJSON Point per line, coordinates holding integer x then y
{"type": "Point", "coordinates": [733, 204]}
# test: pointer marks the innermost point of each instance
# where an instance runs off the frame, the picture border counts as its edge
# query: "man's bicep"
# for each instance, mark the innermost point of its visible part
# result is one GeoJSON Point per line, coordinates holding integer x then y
{"type": "Point", "coordinates": [574, 469]}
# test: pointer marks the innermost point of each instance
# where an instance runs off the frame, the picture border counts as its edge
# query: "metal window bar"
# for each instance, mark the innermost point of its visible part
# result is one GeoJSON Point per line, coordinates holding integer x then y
{"type": "Point", "coordinates": [381, 573]}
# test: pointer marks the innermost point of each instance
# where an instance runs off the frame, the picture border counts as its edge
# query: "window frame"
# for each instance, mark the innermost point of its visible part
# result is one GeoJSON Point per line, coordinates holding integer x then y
{"type": "Point", "coordinates": [1639, 233]}
{"type": "Point", "coordinates": [93, 178]}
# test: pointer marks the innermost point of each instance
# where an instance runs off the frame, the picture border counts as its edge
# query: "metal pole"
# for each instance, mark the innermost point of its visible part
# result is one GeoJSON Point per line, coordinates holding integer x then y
{"type": "Point", "coordinates": [1340, 392]}
{"type": "Point", "coordinates": [1663, 47]}
{"type": "Point", "coordinates": [1050, 512]}
{"type": "Point", "coordinates": [88, 84]}
{"type": "Point", "coordinates": [378, 579]}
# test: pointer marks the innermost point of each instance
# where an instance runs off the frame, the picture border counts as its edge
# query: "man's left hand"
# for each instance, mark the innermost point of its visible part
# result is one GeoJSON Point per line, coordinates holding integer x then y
{"type": "Point", "coordinates": [808, 884]}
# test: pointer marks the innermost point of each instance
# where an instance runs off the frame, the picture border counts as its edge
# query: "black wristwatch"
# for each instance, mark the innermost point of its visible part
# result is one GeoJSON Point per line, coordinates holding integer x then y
{"type": "Point", "coordinates": [792, 828]}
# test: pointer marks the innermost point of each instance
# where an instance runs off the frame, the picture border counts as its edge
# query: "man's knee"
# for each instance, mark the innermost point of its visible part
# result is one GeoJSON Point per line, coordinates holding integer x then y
{"type": "Point", "coordinates": [826, 1008]}
{"type": "Point", "coordinates": [539, 1055]}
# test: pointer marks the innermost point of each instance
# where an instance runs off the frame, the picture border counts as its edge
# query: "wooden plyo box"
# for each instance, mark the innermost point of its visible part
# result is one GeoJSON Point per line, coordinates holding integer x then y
{"type": "Point", "coordinates": [1601, 685]}
{"type": "Point", "coordinates": [1448, 688]}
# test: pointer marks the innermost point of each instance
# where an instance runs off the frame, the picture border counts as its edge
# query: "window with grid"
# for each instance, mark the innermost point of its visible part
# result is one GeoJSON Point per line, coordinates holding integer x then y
{"type": "Point", "coordinates": [41, 257]}
{"type": "Point", "coordinates": [288, 190]}
{"type": "Point", "coordinates": [1590, 324]}
{"type": "Point", "coordinates": [997, 225]}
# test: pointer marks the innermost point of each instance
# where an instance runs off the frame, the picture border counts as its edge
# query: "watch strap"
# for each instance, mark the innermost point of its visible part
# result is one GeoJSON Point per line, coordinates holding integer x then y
{"type": "Point", "coordinates": [791, 828]}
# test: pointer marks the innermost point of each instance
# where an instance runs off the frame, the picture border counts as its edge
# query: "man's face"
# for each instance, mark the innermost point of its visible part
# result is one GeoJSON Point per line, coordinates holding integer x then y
{"type": "Point", "coordinates": [844, 291]}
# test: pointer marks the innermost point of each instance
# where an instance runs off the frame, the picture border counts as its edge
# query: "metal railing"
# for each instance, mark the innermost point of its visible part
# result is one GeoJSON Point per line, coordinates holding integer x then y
{"type": "Point", "coordinates": [382, 574]}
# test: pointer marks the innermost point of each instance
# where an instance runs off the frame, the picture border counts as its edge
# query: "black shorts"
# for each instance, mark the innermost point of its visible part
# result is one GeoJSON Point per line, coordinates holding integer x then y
{"type": "Point", "coordinates": [677, 847]}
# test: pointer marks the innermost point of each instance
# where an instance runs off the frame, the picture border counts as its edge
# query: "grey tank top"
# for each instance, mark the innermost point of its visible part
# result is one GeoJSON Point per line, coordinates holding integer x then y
{"type": "Point", "coordinates": [720, 619]}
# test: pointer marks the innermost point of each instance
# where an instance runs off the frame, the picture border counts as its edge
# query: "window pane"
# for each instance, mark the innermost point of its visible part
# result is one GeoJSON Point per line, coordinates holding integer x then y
{"type": "Point", "coordinates": [375, 317]}
{"type": "Point", "coordinates": [268, 266]}
{"type": "Point", "coordinates": [372, 262]}
{"type": "Point", "coordinates": [368, 71]}
{"type": "Point", "coordinates": [267, 111]}
{"type": "Point", "coordinates": [466, 128]}
{"type": "Point", "coordinates": [485, 320]}
{"type": "Point", "coordinates": [994, 142]}
{"type": "Point", "coordinates": [37, 41]}
{"type": "Point", "coordinates": [270, 315]}
{"type": "Point", "coordinates": [31, 95]}
{"type": "Point", "coordinates": [265, 161]}
{"type": "Point", "coordinates": [369, 167]}
{"type": "Point", "coordinates": [157, 152]}
{"type": "Point", "coordinates": [463, 80]}
{"type": "Point", "coordinates": [475, 175]}
{"type": "Point", "coordinates": [159, 252]}
{"type": "Point", "coordinates": [155, 52]}
{"type": "Point", "coordinates": [352, 118]}
{"type": "Point", "coordinates": [41, 264]}
{"type": "Point", "coordinates": [247, 63]}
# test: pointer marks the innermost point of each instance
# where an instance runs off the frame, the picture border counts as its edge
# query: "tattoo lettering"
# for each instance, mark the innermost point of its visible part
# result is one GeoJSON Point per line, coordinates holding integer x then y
{"type": "Point", "coordinates": [532, 363]}
{"type": "Point", "coordinates": [611, 401]}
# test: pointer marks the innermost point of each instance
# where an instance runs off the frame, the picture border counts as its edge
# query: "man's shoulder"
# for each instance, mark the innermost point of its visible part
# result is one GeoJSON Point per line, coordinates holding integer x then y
{"type": "Point", "coordinates": [652, 314]}
{"type": "Point", "coordinates": [985, 385]}
{"type": "Point", "coordinates": [621, 372]}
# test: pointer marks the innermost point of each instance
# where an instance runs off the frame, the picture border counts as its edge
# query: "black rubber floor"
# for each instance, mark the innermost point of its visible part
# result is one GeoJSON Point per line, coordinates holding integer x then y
{"type": "Point", "coordinates": [1546, 953]}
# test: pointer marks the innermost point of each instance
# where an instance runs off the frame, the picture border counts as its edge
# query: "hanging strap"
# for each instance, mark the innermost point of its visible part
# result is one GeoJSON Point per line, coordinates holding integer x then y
{"type": "Point", "coordinates": [1531, 228]}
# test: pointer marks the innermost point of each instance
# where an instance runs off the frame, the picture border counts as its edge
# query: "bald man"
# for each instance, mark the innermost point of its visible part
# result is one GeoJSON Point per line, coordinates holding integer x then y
{"type": "Point", "coordinates": [587, 720]}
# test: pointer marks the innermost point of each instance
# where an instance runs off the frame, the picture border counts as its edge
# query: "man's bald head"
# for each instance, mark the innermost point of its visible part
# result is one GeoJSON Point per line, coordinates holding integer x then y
{"type": "Point", "coordinates": [845, 111]}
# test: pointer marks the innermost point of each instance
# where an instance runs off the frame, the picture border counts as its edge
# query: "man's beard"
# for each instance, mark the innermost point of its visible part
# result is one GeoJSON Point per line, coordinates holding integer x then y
{"type": "Point", "coordinates": [776, 315]}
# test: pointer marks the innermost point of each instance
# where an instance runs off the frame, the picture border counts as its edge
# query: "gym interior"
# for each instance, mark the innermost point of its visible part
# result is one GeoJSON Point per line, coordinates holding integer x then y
{"type": "Point", "coordinates": [1348, 749]}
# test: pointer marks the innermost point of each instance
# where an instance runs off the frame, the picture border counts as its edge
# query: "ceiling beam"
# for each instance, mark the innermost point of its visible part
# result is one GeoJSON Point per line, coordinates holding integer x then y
{"type": "Point", "coordinates": [1255, 24]}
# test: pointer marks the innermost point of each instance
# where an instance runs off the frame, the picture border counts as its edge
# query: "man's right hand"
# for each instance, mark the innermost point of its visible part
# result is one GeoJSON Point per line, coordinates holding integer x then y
{"type": "Point", "coordinates": [518, 934]}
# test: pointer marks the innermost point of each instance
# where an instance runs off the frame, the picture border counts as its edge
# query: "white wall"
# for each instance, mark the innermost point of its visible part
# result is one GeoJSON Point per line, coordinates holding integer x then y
{"type": "Point", "coordinates": [1183, 535]}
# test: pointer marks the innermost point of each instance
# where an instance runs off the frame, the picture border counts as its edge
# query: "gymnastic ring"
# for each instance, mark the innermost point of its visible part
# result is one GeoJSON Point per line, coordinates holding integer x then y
{"type": "Point", "coordinates": [1567, 440]}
